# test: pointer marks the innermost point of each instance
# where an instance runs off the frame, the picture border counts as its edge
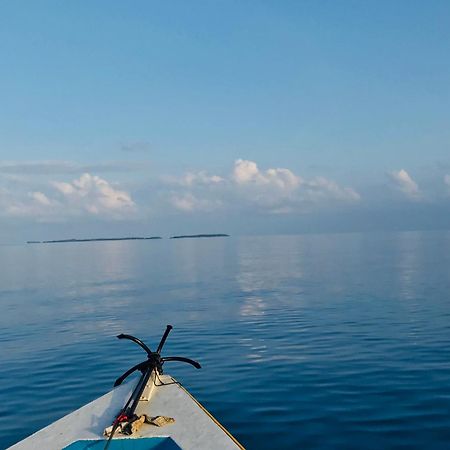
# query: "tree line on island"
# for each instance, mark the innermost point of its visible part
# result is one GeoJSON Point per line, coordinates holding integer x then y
{"type": "Point", "coordinates": [131, 238]}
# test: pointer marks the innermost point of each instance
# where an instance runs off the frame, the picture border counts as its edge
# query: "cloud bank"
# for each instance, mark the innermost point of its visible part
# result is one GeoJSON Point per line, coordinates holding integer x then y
{"type": "Point", "coordinates": [274, 191]}
{"type": "Point", "coordinates": [245, 189]}
{"type": "Point", "coordinates": [88, 195]}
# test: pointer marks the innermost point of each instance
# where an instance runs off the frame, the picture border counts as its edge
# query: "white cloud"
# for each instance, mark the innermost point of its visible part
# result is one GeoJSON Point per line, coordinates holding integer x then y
{"type": "Point", "coordinates": [191, 179]}
{"type": "Point", "coordinates": [86, 196]}
{"type": "Point", "coordinates": [187, 202]}
{"type": "Point", "coordinates": [247, 172]}
{"type": "Point", "coordinates": [31, 204]}
{"type": "Point", "coordinates": [281, 191]}
{"type": "Point", "coordinates": [321, 188]}
{"type": "Point", "coordinates": [275, 190]}
{"type": "Point", "coordinates": [405, 184]}
{"type": "Point", "coordinates": [40, 198]}
{"type": "Point", "coordinates": [95, 195]}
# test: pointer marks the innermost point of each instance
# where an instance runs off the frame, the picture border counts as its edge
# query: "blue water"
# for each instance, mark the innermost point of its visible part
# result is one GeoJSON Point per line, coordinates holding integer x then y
{"type": "Point", "coordinates": [324, 341]}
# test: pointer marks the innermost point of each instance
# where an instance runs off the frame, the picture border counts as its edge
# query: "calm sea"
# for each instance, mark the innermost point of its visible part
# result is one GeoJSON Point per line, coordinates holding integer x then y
{"type": "Point", "coordinates": [324, 341]}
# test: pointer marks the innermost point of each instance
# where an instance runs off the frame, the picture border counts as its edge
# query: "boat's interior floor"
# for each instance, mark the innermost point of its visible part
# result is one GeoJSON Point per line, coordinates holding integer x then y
{"type": "Point", "coordinates": [194, 427]}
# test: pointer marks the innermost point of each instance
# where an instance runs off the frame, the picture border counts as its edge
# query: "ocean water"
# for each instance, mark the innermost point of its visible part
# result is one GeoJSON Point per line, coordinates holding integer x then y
{"type": "Point", "coordinates": [314, 342]}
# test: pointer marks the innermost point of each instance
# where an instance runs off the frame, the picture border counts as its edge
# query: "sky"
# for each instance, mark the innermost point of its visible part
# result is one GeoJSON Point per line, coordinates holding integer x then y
{"type": "Point", "coordinates": [248, 117]}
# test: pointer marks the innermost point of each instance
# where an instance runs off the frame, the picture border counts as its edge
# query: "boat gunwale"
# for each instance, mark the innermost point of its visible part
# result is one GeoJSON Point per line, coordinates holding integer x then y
{"type": "Point", "coordinates": [241, 447]}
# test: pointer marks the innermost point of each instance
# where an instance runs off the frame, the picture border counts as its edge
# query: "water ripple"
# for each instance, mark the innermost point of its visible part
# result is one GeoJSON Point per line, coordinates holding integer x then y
{"type": "Point", "coordinates": [338, 341]}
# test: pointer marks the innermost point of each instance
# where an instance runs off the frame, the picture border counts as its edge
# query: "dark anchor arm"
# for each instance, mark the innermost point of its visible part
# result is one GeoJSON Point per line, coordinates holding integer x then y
{"type": "Point", "coordinates": [163, 339]}
{"type": "Point", "coordinates": [135, 340]}
{"type": "Point", "coordinates": [182, 359]}
{"type": "Point", "coordinates": [141, 366]}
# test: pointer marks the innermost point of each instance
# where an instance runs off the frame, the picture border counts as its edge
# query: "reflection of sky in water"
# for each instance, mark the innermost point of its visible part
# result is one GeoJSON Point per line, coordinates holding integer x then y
{"type": "Point", "coordinates": [408, 253]}
{"type": "Point", "coordinates": [257, 275]}
{"type": "Point", "coordinates": [324, 330]}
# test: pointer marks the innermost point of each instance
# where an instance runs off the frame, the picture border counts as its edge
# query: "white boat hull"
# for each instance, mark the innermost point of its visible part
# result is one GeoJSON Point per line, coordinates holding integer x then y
{"type": "Point", "coordinates": [194, 428]}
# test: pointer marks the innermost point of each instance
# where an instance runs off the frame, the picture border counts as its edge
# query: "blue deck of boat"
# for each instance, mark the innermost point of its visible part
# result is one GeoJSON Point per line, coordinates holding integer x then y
{"type": "Point", "coordinates": [155, 443]}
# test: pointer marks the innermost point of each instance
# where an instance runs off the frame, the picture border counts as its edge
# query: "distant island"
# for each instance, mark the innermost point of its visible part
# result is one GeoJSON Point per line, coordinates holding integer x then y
{"type": "Point", "coordinates": [95, 240]}
{"type": "Point", "coordinates": [187, 236]}
{"type": "Point", "coordinates": [131, 238]}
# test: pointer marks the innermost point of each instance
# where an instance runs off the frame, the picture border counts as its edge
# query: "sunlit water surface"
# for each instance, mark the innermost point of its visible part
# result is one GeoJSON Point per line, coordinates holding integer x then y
{"type": "Point", "coordinates": [326, 341]}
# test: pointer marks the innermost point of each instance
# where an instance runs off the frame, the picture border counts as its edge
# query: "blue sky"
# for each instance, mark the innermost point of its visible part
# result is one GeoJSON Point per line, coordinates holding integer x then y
{"type": "Point", "coordinates": [157, 102]}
